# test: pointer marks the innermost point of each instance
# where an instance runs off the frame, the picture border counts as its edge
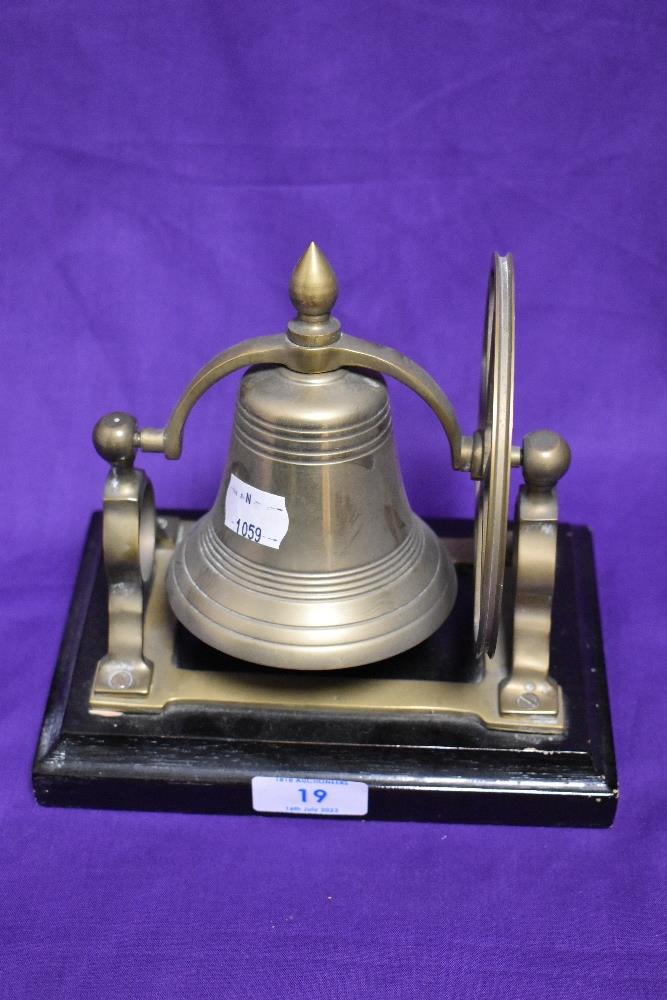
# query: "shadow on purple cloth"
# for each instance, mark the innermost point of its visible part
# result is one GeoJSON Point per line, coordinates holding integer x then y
{"type": "Point", "coordinates": [163, 167]}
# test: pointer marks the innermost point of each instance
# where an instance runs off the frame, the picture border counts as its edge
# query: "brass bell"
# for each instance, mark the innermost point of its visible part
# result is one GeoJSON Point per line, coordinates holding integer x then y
{"type": "Point", "coordinates": [311, 558]}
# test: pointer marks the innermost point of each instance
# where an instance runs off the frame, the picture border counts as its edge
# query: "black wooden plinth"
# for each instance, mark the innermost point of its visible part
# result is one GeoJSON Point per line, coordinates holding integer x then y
{"type": "Point", "coordinates": [418, 767]}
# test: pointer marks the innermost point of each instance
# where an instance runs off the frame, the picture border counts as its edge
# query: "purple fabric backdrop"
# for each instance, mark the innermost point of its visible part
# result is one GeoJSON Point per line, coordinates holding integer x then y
{"type": "Point", "coordinates": [163, 167]}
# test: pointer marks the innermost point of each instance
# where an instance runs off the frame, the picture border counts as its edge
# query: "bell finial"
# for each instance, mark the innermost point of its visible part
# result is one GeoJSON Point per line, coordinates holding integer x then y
{"type": "Point", "coordinates": [312, 288]}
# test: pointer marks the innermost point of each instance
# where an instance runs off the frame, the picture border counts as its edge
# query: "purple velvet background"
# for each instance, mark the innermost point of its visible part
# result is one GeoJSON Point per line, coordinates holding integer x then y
{"type": "Point", "coordinates": [163, 167]}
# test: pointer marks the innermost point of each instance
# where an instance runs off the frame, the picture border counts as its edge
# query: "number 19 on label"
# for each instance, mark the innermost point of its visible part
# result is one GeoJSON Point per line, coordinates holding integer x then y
{"type": "Point", "coordinates": [316, 794]}
{"type": "Point", "coordinates": [309, 796]}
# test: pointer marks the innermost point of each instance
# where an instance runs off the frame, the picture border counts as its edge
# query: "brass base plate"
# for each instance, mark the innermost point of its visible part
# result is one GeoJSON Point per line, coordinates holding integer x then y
{"type": "Point", "coordinates": [172, 684]}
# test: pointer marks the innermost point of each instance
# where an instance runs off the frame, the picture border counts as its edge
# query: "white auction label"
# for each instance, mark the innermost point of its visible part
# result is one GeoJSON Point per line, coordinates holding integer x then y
{"type": "Point", "coordinates": [254, 514]}
{"type": "Point", "coordinates": [310, 796]}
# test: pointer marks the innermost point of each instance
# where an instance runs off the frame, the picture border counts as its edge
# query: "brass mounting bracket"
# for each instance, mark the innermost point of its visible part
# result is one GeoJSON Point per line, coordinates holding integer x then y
{"type": "Point", "coordinates": [528, 689]}
{"type": "Point", "coordinates": [129, 532]}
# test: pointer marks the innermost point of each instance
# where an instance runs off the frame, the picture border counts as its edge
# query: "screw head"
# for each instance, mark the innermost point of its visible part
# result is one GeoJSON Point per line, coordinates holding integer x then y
{"type": "Point", "coordinates": [528, 700]}
{"type": "Point", "coordinates": [121, 679]}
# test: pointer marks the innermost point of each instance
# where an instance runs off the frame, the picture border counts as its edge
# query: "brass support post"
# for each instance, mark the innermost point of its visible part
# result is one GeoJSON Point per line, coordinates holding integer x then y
{"type": "Point", "coordinates": [528, 689]}
{"type": "Point", "coordinates": [129, 529]}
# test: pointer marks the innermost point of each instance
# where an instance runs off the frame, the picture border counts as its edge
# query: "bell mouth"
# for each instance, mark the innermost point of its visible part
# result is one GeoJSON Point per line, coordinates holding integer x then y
{"type": "Point", "coordinates": [306, 621]}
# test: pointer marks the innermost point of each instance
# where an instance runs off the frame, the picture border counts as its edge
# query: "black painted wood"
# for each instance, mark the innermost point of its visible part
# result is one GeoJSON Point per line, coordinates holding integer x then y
{"type": "Point", "coordinates": [419, 767]}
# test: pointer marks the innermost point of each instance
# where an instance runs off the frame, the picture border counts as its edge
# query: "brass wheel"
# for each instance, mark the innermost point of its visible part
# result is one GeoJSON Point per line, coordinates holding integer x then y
{"type": "Point", "coordinates": [495, 438]}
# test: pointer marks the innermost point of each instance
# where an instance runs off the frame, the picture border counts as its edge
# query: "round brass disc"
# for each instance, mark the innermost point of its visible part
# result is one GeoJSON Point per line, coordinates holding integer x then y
{"type": "Point", "coordinates": [495, 431]}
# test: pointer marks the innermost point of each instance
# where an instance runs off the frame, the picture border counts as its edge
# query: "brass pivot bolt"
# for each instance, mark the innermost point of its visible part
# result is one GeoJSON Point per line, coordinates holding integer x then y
{"type": "Point", "coordinates": [313, 291]}
{"type": "Point", "coordinates": [545, 459]}
{"type": "Point", "coordinates": [115, 438]}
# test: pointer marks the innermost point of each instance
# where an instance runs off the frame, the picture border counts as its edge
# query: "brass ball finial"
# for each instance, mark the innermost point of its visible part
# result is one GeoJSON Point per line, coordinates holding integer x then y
{"type": "Point", "coordinates": [312, 288]}
{"type": "Point", "coordinates": [115, 438]}
{"type": "Point", "coordinates": [546, 458]}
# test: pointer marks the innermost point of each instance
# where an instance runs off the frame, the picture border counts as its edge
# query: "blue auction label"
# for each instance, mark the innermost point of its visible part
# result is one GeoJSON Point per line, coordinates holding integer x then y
{"type": "Point", "coordinates": [310, 796]}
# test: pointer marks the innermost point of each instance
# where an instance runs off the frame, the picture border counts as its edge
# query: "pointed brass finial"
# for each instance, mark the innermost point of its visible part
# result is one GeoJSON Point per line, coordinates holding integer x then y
{"type": "Point", "coordinates": [312, 288]}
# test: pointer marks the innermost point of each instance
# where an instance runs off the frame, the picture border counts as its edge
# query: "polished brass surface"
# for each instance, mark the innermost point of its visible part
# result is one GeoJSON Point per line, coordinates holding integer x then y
{"type": "Point", "coordinates": [313, 291]}
{"type": "Point", "coordinates": [327, 692]}
{"type": "Point", "coordinates": [357, 577]}
{"type": "Point", "coordinates": [115, 437]}
{"type": "Point", "coordinates": [347, 351]}
{"type": "Point", "coordinates": [312, 288]}
{"type": "Point", "coordinates": [528, 689]}
{"type": "Point", "coordinates": [495, 454]}
{"type": "Point", "coordinates": [129, 543]}
{"type": "Point", "coordinates": [545, 459]}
